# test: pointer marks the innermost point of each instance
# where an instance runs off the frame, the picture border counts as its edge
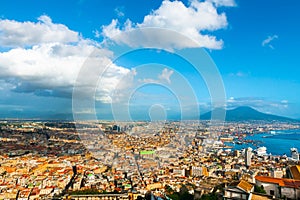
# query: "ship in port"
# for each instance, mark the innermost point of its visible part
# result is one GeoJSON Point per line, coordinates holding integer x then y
{"type": "Point", "coordinates": [261, 151]}
{"type": "Point", "coordinates": [295, 154]}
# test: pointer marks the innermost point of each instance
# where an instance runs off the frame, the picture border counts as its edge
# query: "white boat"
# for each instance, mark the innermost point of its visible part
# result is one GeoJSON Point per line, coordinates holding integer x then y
{"type": "Point", "coordinates": [261, 151]}
{"type": "Point", "coordinates": [273, 132]}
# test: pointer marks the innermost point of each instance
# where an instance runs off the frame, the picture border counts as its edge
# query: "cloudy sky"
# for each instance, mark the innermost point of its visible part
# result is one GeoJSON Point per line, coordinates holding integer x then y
{"type": "Point", "coordinates": [148, 58]}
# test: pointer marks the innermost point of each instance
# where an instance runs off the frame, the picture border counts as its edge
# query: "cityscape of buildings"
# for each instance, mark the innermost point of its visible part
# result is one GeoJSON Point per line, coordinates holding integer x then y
{"type": "Point", "coordinates": [149, 100]}
{"type": "Point", "coordinates": [142, 160]}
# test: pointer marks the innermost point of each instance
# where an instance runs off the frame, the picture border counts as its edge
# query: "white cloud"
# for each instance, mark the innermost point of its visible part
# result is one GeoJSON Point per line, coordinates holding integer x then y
{"type": "Point", "coordinates": [149, 80]}
{"type": "Point", "coordinates": [120, 11]}
{"type": "Point", "coordinates": [50, 68]}
{"type": "Point", "coordinates": [56, 63]}
{"type": "Point", "coordinates": [166, 75]}
{"type": "Point", "coordinates": [115, 83]}
{"type": "Point", "coordinates": [268, 40]}
{"type": "Point", "coordinates": [223, 2]}
{"type": "Point", "coordinates": [97, 34]}
{"type": "Point", "coordinates": [191, 22]}
{"type": "Point", "coordinates": [258, 103]}
{"type": "Point", "coordinates": [240, 74]}
{"type": "Point", "coordinates": [163, 77]}
{"type": "Point", "coordinates": [23, 34]}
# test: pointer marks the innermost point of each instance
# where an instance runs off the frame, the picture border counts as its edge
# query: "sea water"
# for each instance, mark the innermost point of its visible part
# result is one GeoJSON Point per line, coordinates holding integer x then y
{"type": "Point", "coordinates": [277, 142]}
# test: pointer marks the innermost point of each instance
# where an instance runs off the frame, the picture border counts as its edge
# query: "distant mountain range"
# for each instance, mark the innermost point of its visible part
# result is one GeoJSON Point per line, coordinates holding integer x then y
{"type": "Point", "coordinates": [245, 113]}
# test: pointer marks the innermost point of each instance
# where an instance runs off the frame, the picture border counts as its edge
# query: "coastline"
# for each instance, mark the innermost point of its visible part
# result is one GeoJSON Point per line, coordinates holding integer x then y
{"type": "Point", "coordinates": [277, 143]}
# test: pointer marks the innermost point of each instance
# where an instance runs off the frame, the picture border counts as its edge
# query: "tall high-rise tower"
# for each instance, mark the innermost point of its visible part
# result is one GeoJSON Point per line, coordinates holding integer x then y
{"type": "Point", "coordinates": [248, 156]}
{"type": "Point", "coordinates": [295, 154]}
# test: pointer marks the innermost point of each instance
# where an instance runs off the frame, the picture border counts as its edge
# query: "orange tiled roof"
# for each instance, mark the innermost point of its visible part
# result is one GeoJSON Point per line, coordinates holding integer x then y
{"type": "Point", "coordinates": [245, 186]}
{"type": "Point", "coordinates": [295, 171]}
{"type": "Point", "coordinates": [10, 169]}
{"type": "Point", "coordinates": [283, 182]}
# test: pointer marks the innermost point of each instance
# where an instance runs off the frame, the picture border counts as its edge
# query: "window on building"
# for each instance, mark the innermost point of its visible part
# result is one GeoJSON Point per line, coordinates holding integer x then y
{"type": "Point", "coordinates": [272, 192]}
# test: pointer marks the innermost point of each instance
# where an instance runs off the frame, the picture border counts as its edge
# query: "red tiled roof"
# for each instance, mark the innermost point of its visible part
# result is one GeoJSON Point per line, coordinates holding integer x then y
{"type": "Point", "coordinates": [283, 182]}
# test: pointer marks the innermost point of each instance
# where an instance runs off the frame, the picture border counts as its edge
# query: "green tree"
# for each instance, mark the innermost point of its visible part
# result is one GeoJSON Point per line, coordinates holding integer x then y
{"type": "Point", "coordinates": [259, 189]}
{"type": "Point", "coordinates": [212, 196]}
{"type": "Point", "coordinates": [174, 196]}
{"type": "Point", "coordinates": [183, 194]}
{"type": "Point", "coordinates": [168, 189]}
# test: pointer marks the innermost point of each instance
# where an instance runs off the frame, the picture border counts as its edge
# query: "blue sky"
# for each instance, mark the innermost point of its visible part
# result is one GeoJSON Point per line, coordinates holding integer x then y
{"type": "Point", "coordinates": [44, 46]}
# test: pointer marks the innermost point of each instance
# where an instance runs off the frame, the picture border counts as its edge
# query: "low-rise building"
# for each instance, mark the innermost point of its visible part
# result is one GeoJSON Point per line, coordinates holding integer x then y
{"type": "Point", "coordinates": [240, 191]}
{"type": "Point", "coordinates": [279, 187]}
